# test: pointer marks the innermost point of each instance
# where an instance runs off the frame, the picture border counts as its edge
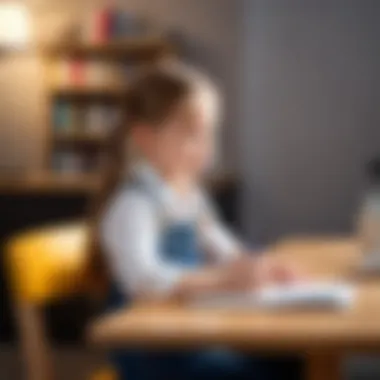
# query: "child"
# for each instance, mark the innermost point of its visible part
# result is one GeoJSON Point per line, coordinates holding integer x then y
{"type": "Point", "coordinates": [160, 235]}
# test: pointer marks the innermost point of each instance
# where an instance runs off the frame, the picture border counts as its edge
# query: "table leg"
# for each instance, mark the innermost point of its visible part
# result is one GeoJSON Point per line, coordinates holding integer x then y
{"type": "Point", "coordinates": [323, 366]}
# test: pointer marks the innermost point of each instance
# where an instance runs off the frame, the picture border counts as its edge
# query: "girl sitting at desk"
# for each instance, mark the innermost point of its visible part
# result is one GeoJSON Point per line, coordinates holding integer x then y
{"type": "Point", "coordinates": [160, 236]}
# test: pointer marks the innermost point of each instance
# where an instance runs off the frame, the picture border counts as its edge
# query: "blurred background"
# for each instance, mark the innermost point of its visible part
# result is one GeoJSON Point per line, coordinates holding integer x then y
{"type": "Point", "coordinates": [300, 79]}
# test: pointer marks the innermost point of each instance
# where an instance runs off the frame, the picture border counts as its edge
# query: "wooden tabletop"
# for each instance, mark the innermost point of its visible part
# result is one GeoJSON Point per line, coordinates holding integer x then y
{"type": "Point", "coordinates": [182, 326]}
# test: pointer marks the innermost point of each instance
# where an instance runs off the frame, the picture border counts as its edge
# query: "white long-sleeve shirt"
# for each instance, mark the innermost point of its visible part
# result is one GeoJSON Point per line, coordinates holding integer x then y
{"type": "Point", "coordinates": [132, 225]}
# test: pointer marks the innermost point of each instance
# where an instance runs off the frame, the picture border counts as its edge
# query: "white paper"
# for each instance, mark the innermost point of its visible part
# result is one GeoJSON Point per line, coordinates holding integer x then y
{"type": "Point", "coordinates": [330, 295]}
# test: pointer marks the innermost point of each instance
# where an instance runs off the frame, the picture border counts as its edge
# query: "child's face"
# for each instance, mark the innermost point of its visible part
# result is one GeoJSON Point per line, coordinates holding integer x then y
{"type": "Point", "coordinates": [184, 143]}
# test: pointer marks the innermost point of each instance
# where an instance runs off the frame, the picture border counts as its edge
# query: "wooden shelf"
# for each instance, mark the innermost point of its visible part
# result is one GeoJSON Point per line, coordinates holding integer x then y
{"type": "Point", "coordinates": [80, 92]}
{"type": "Point", "coordinates": [46, 182]}
{"type": "Point", "coordinates": [141, 48]}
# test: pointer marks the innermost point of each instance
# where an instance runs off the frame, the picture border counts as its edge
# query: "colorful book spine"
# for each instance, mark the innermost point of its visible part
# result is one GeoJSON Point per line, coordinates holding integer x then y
{"type": "Point", "coordinates": [97, 27]}
{"type": "Point", "coordinates": [104, 74]}
{"type": "Point", "coordinates": [94, 73]}
{"type": "Point", "coordinates": [77, 72]}
{"type": "Point", "coordinates": [68, 162]}
{"type": "Point", "coordinates": [67, 118]}
{"type": "Point", "coordinates": [101, 119]}
{"type": "Point", "coordinates": [125, 24]}
{"type": "Point", "coordinates": [76, 119]}
{"type": "Point", "coordinates": [70, 72]}
{"type": "Point", "coordinates": [61, 117]}
{"type": "Point", "coordinates": [108, 23]}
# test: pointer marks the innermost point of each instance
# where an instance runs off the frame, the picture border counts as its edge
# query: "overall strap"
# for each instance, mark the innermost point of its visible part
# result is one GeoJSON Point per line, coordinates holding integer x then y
{"type": "Point", "coordinates": [136, 184]}
{"type": "Point", "coordinates": [133, 182]}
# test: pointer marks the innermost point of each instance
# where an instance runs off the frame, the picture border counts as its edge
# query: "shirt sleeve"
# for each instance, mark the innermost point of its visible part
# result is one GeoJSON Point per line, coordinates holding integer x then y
{"type": "Point", "coordinates": [216, 238]}
{"type": "Point", "coordinates": [130, 235]}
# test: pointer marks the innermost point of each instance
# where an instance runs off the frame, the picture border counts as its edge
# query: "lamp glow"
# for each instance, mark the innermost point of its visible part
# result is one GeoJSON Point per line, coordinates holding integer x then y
{"type": "Point", "coordinates": [14, 26]}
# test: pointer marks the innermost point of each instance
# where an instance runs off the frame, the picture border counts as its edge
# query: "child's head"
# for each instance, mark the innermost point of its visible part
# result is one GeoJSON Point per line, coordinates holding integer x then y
{"type": "Point", "coordinates": [171, 119]}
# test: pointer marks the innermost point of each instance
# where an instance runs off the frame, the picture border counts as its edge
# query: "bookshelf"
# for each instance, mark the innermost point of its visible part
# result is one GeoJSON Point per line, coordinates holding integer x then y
{"type": "Point", "coordinates": [85, 83]}
{"type": "Point", "coordinates": [134, 49]}
{"type": "Point", "coordinates": [86, 98]}
{"type": "Point", "coordinates": [40, 183]}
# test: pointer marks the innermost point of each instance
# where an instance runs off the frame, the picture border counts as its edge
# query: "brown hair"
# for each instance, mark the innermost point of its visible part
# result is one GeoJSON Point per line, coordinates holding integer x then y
{"type": "Point", "coordinates": [150, 98]}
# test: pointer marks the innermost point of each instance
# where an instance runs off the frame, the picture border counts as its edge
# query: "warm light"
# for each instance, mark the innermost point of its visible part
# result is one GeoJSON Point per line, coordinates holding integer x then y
{"type": "Point", "coordinates": [14, 26]}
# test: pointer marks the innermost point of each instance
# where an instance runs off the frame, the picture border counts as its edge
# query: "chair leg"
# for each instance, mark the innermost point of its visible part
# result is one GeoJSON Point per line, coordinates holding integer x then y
{"type": "Point", "coordinates": [33, 341]}
{"type": "Point", "coordinates": [324, 366]}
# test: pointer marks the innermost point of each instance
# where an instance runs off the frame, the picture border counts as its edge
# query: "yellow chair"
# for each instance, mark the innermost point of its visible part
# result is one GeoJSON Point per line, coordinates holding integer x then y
{"type": "Point", "coordinates": [44, 265]}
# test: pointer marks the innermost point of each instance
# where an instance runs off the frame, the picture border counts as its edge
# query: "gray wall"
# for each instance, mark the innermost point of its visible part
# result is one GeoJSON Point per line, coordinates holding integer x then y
{"type": "Point", "coordinates": [309, 110]}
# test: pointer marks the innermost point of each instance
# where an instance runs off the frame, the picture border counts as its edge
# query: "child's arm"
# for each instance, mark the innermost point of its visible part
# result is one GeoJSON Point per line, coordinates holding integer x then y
{"type": "Point", "coordinates": [130, 235]}
{"type": "Point", "coordinates": [224, 247]}
{"type": "Point", "coordinates": [216, 239]}
{"type": "Point", "coordinates": [242, 274]}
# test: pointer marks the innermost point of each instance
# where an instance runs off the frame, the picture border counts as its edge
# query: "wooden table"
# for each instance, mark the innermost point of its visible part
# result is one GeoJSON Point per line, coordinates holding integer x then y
{"type": "Point", "coordinates": [323, 337]}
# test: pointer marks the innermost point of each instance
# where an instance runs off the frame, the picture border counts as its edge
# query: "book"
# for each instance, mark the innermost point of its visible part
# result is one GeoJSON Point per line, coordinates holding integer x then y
{"type": "Point", "coordinates": [61, 115]}
{"type": "Point", "coordinates": [89, 73]}
{"type": "Point", "coordinates": [77, 116]}
{"type": "Point", "coordinates": [68, 162]}
{"type": "Point", "coordinates": [76, 72]}
{"type": "Point", "coordinates": [107, 23]}
{"type": "Point", "coordinates": [126, 24]}
{"type": "Point", "coordinates": [104, 74]}
{"type": "Point", "coordinates": [101, 119]}
{"type": "Point", "coordinates": [94, 120]}
{"type": "Point", "coordinates": [307, 295]}
{"type": "Point", "coordinates": [67, 118]}
{"type": "Point", "coordinates": [97, 26]}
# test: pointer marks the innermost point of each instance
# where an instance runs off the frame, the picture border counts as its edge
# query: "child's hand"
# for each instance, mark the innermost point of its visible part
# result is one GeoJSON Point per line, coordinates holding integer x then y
{"type": "Point", "coordinates": [252, 272]}
{"type": "Point", "coordinates": [247, 273]}
{"type": "Point", "coordinates": [242, 274]}
{"type": "Point", "coordinates": [280, 272]}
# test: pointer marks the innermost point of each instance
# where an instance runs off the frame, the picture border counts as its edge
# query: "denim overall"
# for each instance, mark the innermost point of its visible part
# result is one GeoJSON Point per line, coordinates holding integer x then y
{"type": "Point", "coordinates": [179, 246]}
